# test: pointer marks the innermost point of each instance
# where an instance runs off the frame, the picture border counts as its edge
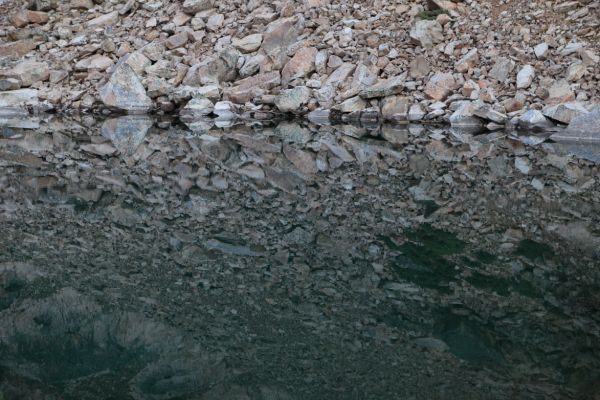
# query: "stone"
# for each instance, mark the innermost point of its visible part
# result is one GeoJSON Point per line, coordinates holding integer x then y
{"type": "Point", "coordinates": [214, 70]}
{"type": "Point", "coordinates": [224, 110]}
{"type": "Point", "coordinates": [565, 112]}
{"type": "Point", "coordinates": [440, 86]}
{"type": "Point", "coordinates": [291, 100]}
{"type": "Point", "coordinates": [176, 41]}
{"type": "Point", "coordinates": [215, 22]}
{"type": "Point", "coordinates": [533, 120]}
{"type": "Point", "coordinates": [17, 49]}
{"type": "Point", "coordinates": [416, 113]}
{"type": "Point", "coordinates": [584, 128]}
{"type": "Point", "coordinates": [19, 19]}
{"type": "Point", "coordinates": [340, 75]}
{"type": "Point", "coordinates": [28, 72]}
{"type": "Point", "coordinates": [487, 112]}
{"type": "Point", "coordinates": [541, 51]}
{"type": "Point", "coordinates": [576, 71]}
{"type": "Point", "coordinates": [589, 57]}
{"type": "Point", "coordinates": [419, 67]}
{"type": "Point", "coordinates": [302, 64]}
{"type": "Point", "coordinates": [468, 61]}
{"type": "Point", "coordinates": [45, 5]}
{"type": "Point", "coordinates": [248, 44]}
{"type": "Point", "coordinates": [195, 6]}
{"type": "Point", "coordinates": [383, 88]}
{"type": "Point", "coordinates": [104, 20]}
{"type": "Point", "coordinates": [571, 48]}
{"type": "Point", "coordinates": [18, 102]}
{"type": "Point", "coordinates": [279, 36]}
{"type": "Point", "coordinates": [127, 132]}
{"type": "Point", "coordinates": [252, 65]}
{"type": "Point", "coordinates": [395, 108]}
{"type": "Point", "coordinates": [198, 107]}
{"type": "Point", "coordinates": [125, 91]}
{"type": "Point", "coordinates": [560, 92]}
{"type": "Point", "coordinates": [248, 88]}
{"type": "Point", "coordinates": [81, 4]}
{"type": "Point", "coordinates": [463, 117]}
{"type": "Point", "coordinates": [427, 33]}
{"type": "Point", "coordinates": [525, 77]}
{"type": "Point", "coordinates": [9, 84]}
{"type": "Point", "coordinates": [352, 104]}
{"type": "Point", "coordinates": [502, 69]}
{"type": "Point", "coordinates": [138, 62]}
{"type": "Point", "coordinates": [97, 61]}
{"type": "Point", "coordinates": [37, 17]}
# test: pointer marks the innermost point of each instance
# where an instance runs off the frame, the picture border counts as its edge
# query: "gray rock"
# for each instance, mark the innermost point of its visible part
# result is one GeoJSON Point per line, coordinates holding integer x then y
{"type": "Point", "coordinates": [249, 43]}
{"type": "Point", "coordinates": [199, 107]}
{"type": "Point", "coordinates": [352, 104]}
{"type": "Point", "coordinates": [127, 132]}
{"type": "Point", "coordinates": [534, 120]}
{"type": "Point", "coordinates": [427, 33]}
{"type": "Point", "coordinates": [584, 128]}
{"type": "Point", "coordinates": [224, 110]}
{"type": "Point", "coordinates": [502, 69]}
{"type": "Point", "coordinates": [565, 112]}
{"type": "Point", "coordinates": [541, 51]}
{"type": "Point", "coordinates": [291, 100]}
{"type": "Point", "coordinates": [395, 108]}
{"type": "Point", "coordinates": [387, 87]}
{"type": "Point", "coordinates": [463, 117]}
{"type": "Point", "coordinates": [18, 102]}
{"type": "Point", "coordinates": [124, 90]}
{"type": "Point", "coordinates": [485, 111]}
{"type": "Point", "coordinates": [195, 6]}
{"type": "Point", "coordinates": [525, 77]}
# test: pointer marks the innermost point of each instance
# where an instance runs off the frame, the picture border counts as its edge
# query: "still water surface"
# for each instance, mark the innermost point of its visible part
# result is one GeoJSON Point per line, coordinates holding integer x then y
{"type": "Point", "coordinates": [145, 259]}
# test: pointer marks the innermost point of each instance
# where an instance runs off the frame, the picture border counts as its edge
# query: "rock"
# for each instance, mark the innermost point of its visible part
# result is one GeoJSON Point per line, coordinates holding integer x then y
{"type": "Point", "coordinates": [565, 112]}
{"type": "Point", "coordinates": [395, 108]}
{"type": "Point", "coordinates": [560, 92]}
{"type": "Point", "coordinates": [339, 76]}
{"type": "Point", "coordinates": [99, 149]}
{"type": "Point", "coordinates": [198, 107]}
{"type": "Point", "coordinates": [224, 110]}
{"type": "Point", "coordinates": [463, 117]}
{"type": "Point", "coordinates": [97, 61]}
{"type": "Point", "coordinates": [19, 20]}
{"type": "Point", "coordinates": [534, 120]}
{"type": "Point", "coordinates": [127, 132]}
{"type": "Point", "coordinates": [125, 91]}
{"type": "Point", "coordinates": [37, 17]}
{"type": "Point", "coordinates": [502, 69]}
{"type": "Point", "coordinates": [18, 102]}
{"type": "Point", "coordinates": [584, 127]}
{"type": "Point", "coordinates": [319, 117]}
{"type": "Point", "coordinates": [214, 70]}
{"type": "Point", "coordinates": [249, 43]}
{"type": "Point", "coordinates": [427, 33]}
{"type": "Point", "coordinates": [104, 20]}
{"type": "Point", "coordinates": [195, 6]}
{"type": "Point", "coordinates": [440, 86]}
{"type": "Point", "coordinates": [525, 77]}
{"type": "Point", "coordinates": [302, 64]}
{"type": "Point", "coordinates": [589, 57]}
{"type": "Point", "coordinates": [571, 48]}
{"type": "Point", "coordinates": [416, 113]}
{"type": "Point", "coordinates": [291, 100]}
{"type": "Point", "coordinates": [468, 61]}
{"type": "Point", "coordinates": [576, 71]}
{"type": "Point", "coordinates": [419, 67]}
{"type": "Point", "coordinates": [352, 104]}
{"type": "Point", "coordinates": [485, 111]}
{"type": "Point", "coordinates": [541, 51]}
{"type": "Point", "coordinates": [383, 88]}
{"type": "Point", "coordinates": [45, 5]}
{"type": "Point", "coordinates": [176, 41]}
{"type": "Point", "coordinates": [17, 49]}
{"type": "Point", "coordinates": [28, 72]}
{"type": "Point", "coordinates": [248, 88]}
{"type": "Point", "coordinates": [138, 62]}
{"type": "Point", "coordinates": [279, 37]}
{"type": "Point", "coordinates": [82, 4]}
{"type": "Point", "coordinates": [9, 84]}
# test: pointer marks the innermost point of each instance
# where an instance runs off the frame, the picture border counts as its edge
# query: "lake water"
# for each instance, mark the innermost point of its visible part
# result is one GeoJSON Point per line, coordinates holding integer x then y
{"type": "Point", "coordinates": [149, 259]}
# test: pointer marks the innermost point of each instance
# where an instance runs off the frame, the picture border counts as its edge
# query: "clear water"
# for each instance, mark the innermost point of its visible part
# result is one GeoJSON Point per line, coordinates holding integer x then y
{"type": "Point", "coordinates": [145, 259]}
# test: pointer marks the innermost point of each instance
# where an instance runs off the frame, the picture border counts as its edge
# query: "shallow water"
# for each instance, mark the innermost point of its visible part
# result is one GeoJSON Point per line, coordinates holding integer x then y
{"type": "Point", "coordinates": [149, 259]}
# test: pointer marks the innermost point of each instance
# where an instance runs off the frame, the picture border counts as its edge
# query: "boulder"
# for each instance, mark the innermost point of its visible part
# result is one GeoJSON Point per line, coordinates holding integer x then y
{"type": "Point", "coordinates": [214, 70]}
{"type": "Point", "coordinates": [468, 61]}
{"type": "Point", "coordinates": [291, 100]}
{"type": "Point", "coordinates": [440, 86]}
{"type": "Point", "coordinates": [125, 91]}
{"type": "Point", "coordinates": [302, 64]}
{"type": "Point", "coordinates": [502, 69]}
{"type": "Point", "coordinates": [195, 6]}
{"type": "Point", "coordinates": [464, 117]}
{"type": "Point", "coordinates": [248, 44]}
{"type": "Point", "coordinates": [395, 108]}
{"type": "Point", "coordinates": [352, 104]}
{"type": "Point", "coordinates": [585, 128]}
{"type": "Point", "coordinates": [279, 36]}
{"type": "Point", "coordinates": [28, 72]}
{"type": "Point", "coordinates": [248, 88]}
{"type": "Point", "coordinates": [487, 112]}
{"type": "Point", "coordinates": [383, 88]}
{"type": "Point", "coordinates": [427, 33]}
{"type": "Point", "coordinates": [564, 112]}
{"type": "Point", "coordinates": [197, 108]}
{"type": "Point", "coordinates": [533, 120]}
{"type": "Point", "coordinates": [525, 77]}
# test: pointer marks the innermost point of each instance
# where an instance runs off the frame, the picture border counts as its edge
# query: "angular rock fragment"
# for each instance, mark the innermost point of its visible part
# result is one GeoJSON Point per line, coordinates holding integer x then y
{"type": "Point", "coordinates": [427, 33]}
{"type": "Point", "coordinates": [127, 132]}
{"type": "Point", "coordinates": [387, 87]}
{"type": "Point", "coordinates": [291, 100]}
{"type": "Point", "coordinates": [584, 128]}
{"type": "Point", "coordinates": [565, 112]}
{"type": "Point", "coordinates": [125, 91]}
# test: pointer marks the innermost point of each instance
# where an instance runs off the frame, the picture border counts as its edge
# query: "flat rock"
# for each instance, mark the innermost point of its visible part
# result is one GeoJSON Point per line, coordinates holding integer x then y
{"type": "Point", "coordinates": [198, 107]}
{"type": "Point", "coordinates": [104, 20]}
{"type": "Point", "coordinates": [125, 91]}
{"type": "Point", "coordinates": [352, 104]}
{"type": "Point", "coordinates": [395, 108]}
{"type": "Point", "coordinates": [195, 6]}
{"type": "Point", "coordinates": [487, 112]}
{"type": "Point", "coordinates": [383, 88]}
{"type": "Point", "coordinates": [246, 89]}
{"type": "Point", "coordinates": [99, 62]}
{"type": "Point", "coordinates": [560, 92]}
{"type": "Point", "coordinates": [248, 44]}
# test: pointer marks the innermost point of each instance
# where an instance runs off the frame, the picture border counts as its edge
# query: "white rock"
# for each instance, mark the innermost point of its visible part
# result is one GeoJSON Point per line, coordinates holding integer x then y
{"type": "Point", "coordinates": [525, 77]}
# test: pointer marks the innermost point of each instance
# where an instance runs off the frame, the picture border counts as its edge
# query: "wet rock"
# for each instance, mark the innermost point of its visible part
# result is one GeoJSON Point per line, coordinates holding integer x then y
{"type": "Point", "coordinates": [125, 91]}
{"type": "Point", "coordinates": [427, 33]}
{"type": "Point", "coordinates": [584, 127]}
{"type": "Point", "coordinates": [525, 77]}
{"type": "Point", "coordinates": [248, 44]}
{"type": "Point", "coordinates": [565, 112]}
{"type": "Point", "coordinates": [395, 108]}
{"type": "Point", "coordinates": [127, 132]}
{"type": "Point", "coordinates": [534, 120]}
{"type": "Point", "coordinates": [440, 86]}
{"type": "Point", "coordinates": [198, 107]}
{"type": "Point", "coordinates": [302, 64]}
{"type": "Point", "coordinates": [291, 100]}
{"type": "Point", "coordinates": [195, 6]}
{"type": "Point", "coordinates": [18, 101]}
{"type": "Point", "coordinates": [464, 116]}
{"type": "Point", "coordinates": [384, 88]}
{"type": "Point", "coordinates": [28, 72]}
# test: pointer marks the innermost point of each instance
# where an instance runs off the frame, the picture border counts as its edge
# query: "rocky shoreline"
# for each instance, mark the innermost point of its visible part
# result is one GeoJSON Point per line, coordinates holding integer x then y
{"type": "Point", "coordinates": [524, 65]}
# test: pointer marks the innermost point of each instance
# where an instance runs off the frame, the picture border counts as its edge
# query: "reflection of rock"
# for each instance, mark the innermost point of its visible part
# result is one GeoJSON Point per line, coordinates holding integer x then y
{"type": "Point", "coordinates": [127, 132]}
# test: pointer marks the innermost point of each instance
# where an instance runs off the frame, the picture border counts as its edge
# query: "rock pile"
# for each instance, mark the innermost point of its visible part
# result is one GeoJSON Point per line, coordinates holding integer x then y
{"type": "Point", "coordinates": [398, 60]}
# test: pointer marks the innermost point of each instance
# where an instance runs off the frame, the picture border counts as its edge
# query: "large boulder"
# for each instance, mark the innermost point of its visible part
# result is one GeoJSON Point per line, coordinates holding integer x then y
{"type": "Point", "coordinates": [125, 91]}
{"type": "Point", "coordinates": [584, 128]}
{"type": "Point", "coordinates": [565, 112]}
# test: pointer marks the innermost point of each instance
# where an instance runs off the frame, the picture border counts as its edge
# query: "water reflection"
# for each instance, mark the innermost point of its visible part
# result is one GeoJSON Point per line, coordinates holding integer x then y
{"type": "Point", "coordinates": [154, 260]}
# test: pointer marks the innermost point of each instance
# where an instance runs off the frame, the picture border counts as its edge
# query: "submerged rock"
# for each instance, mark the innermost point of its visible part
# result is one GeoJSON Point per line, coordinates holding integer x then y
{"type": "Point", "coordinates": [125, 91]}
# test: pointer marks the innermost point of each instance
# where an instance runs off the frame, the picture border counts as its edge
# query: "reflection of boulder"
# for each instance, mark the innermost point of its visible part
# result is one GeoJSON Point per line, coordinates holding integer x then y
{"type": "Point", "coordinates": [127, 132]}
{"type": "Point", "coordinates": [14, 277]}
{"type": "Point", "coordinates": [66, 340]}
